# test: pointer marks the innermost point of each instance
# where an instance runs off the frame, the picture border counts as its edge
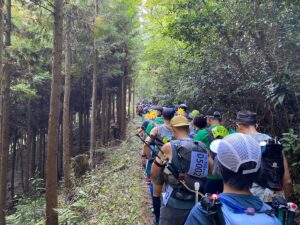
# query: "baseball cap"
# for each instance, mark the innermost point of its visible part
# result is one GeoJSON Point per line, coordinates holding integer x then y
{"type": "Point", "coordinates": [236, 149]}
{"type": "Point", "coordinates": [179, 121]}
{"type": "Point", "coordinates": [194, 113]}
{"type": "Point", "coordinates": [214, 146]}
{"type": "Point", "coordinates": [212, 112]}
{"type": "Point", "coordinates": [246, 117]}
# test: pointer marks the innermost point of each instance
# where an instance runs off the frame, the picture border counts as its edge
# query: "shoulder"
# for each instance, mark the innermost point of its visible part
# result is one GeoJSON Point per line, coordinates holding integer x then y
{"type": "Point", "coordinates": [154, 131]}
{"type": "Point", "coordinates": [198, 216]}
{"type": "Point", "coordinates": [167, 148]}
{"type": "Point", "coordinates": [200, 134]}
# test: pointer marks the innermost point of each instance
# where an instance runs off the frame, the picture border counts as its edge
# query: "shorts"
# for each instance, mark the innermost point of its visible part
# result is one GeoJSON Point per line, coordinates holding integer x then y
{"type": "Point", "coordinates": [172, 216]}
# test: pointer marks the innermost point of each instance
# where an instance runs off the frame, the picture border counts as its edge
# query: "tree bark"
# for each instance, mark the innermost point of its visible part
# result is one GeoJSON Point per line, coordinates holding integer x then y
{"type": "Point", "coordinates": [94, 101]}
{"type": "Point", "coordinates": [8, 23]}
{"type": "Point", "coordinates": [66, 109]}
{"type": "Point", "coordinates": [51, 165]}
{"type": "Point", "coordinates": [28, 155]}
{"type": "Point", "coordinates": [133, 100]}
{"type": "Point", "coordinates": [129, 100]}
{"type": "Point", "coordinates": [13, 166]}
{"type": "Point", "coordinates": [4, 139]}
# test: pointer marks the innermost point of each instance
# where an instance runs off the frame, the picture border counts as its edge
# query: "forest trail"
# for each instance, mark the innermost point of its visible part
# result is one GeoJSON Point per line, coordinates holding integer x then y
{"type": "Point", "coordinates": [120, 195]}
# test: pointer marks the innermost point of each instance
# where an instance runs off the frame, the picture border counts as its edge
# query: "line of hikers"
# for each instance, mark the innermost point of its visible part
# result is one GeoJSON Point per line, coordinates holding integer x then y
{"type": "Point", "coordinates": [200, 172]}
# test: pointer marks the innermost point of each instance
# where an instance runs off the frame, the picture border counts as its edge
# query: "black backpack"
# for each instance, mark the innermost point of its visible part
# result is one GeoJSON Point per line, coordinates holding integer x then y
{"type": "Point", "coordinates": [272, 166]}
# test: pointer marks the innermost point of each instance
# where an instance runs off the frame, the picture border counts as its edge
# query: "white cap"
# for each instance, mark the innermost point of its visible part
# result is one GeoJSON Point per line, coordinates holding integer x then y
{"type": "Point", "coordinates": [237, 149]}
{"type": "Point", "coordinates": [214, 145]}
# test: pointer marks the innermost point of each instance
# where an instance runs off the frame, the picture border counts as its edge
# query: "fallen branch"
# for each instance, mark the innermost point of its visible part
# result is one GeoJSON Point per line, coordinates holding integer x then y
{"type": "Point", "coordinates": [119, 168]}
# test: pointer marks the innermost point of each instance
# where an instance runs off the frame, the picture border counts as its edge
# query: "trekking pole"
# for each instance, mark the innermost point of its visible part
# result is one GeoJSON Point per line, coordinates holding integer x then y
{"type": "Point", "coordinates": [292, 207]}
{"type": "Point", "coordinates": [148, 145]}
{"type": "Point", "coordinates": [197, 187]}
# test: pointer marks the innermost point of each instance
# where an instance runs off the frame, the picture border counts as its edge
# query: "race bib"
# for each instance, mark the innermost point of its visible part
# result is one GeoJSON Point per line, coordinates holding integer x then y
{"type": "Point", "coordinates": [199, 165]}
{"type": "Point", "coordinates": [167, 194]}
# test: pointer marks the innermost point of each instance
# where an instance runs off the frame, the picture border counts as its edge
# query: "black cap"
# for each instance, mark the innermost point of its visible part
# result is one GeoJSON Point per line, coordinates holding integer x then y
{"type": "Point", "coordinates": [183, 106]}
{"type": "Point", "coordinates": [168, 112]}
{"type": "Point", "coordinates": [246, 117]}
{"type": "Point", "coordinates": [212, 112]}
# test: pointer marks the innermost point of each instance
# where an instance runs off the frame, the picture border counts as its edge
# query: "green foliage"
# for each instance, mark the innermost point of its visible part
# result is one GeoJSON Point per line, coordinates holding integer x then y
{"type": "Point", "coordinates": [231, 54]}
{"type": "Point", "coordinates": [291, 141]}
{"type": "Point", "coordinates": [30, 210]}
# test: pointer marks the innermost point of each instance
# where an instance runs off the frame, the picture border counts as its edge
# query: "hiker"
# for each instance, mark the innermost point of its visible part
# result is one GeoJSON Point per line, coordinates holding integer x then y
{"type": "Point", "coordinates": [215, 129]}
{"type": "Point", "coordinates": [178, 198]}
{"type": "Point", "coordinates": [199, 123]}
{"type": "Point", "coordinates": [181, 110]}
{"type": "Point", "coordinates": [159, 135]}
{"type": "Point", "coordinates": [239, 157]}
{"type": "Point", "coordinates": [246, 123]}
{"type": "Point", "coordinates": [214, 182]}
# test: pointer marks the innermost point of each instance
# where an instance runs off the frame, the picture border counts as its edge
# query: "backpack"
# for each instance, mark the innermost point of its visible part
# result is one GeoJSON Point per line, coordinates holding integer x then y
{"type": "Point", "coordinates": [189, 165]}
{"type": "Point", "coordinates": [272, 166]}
{"type": "Point", "coordinates": [217, 132]}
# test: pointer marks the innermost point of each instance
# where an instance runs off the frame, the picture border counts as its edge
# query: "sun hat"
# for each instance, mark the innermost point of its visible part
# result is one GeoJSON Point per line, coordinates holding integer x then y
{"type": "Point", "coordinates": [179, 121]}
{"type": "Point", "coordinates": [237, 149]}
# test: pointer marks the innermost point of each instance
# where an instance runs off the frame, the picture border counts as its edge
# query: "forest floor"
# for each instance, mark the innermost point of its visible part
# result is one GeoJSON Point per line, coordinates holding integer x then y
{"type": "Point", "coordinates": [115, 192]}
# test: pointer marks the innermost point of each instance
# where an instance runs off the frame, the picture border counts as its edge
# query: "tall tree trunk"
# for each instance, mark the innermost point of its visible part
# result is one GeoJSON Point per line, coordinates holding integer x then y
{"type": "Point", "coordinates": [28, 155]}
{"type": "Point", "coordinates": [13, 166]}
{"type": "Point", "coordinates": [4, 123]}
{"type": "Point", "coordinates": [51, 165]}
{"type": "Point", "coordinates": [66, 109]}
{"type": "Point", "coordinates": [33, 154]}
{"type": "Point", "coordinates": [4, 140]}
{"type": "Point", "coordinates": [80, 127]}
{"type": "Point", "coordinates": [133, 100]}
{"type": "Point", "coordinates": [8, 23]}
{"type": "Point", "coordinates": [94, 100]}
{"type": "Point", "coordinates": [113, 106]}
{"type": "Point", "coordinates": [129, 99]}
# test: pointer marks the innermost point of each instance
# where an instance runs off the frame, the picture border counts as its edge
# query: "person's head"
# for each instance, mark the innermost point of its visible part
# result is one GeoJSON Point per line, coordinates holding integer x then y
{"type": "Point", "coordinates": [246, 121]}
{"type": "Point", "coordinates": [195, 113]}
{"type": "Point", "coordinates": [183, 106]}
{"type": "Point", "coordinates": [199, 122]}
{"type": "Point", "coordinates": [213, 117]}
{"type": "Point", "coordinates": [239, 157]}
{"type": "Point", "coordinates": [180, 126]}
{"type": "Point", "coordinates": [168, 113]}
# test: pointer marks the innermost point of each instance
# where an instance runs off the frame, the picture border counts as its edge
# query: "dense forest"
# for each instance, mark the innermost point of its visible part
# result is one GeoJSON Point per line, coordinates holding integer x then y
{"type": "Point", "coordinates": [72, 70]}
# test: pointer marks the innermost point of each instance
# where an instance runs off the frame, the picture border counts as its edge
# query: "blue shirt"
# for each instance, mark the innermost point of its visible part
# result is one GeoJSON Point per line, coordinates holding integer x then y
{"type": "Point", "coordinates": [198, 216]}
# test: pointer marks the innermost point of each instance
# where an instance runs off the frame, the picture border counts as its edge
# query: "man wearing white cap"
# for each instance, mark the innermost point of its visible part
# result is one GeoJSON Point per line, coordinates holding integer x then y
{"type": "Point", "coordinates": [239, 157]}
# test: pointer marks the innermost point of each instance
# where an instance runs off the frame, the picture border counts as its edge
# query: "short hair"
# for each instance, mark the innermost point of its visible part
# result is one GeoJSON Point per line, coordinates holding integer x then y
{"type": "Point", "coordinates": [200, 122]}
{"type": "Point", "coordinates": [239, 180]}
{"type": "Point", "coordinates": [183, 128]}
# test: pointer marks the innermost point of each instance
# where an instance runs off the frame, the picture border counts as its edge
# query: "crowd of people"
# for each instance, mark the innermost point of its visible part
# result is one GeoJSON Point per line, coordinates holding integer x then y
{"type": "Point", "coordinates": [200, 172]}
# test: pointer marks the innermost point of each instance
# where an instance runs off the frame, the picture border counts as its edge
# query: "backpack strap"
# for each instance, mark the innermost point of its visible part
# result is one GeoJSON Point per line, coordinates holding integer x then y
{"type": "Point", "coordinates": [242, 210]}
{"type": "Point", "coordinates": [210, 134]}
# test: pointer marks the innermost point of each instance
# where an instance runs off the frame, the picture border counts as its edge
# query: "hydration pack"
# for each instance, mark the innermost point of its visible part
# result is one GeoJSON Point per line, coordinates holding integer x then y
{"type": "Point", "coordinates": [272, 166]}
{"type": "Point", "coordinates": [217, 132]}
{"type": "Point", "coordinates": [189, 165]}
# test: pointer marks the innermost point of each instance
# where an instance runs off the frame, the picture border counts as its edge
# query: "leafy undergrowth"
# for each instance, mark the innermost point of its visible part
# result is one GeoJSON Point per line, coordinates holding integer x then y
{"type": "Point", "coordinates": [111, 194]}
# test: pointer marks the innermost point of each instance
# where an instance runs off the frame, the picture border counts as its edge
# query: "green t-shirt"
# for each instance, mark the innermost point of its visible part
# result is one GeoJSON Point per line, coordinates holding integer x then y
{"type": "Point", "coordinates": [202, 135]}
{"type": "Point", "coordinates": [150, 126]}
